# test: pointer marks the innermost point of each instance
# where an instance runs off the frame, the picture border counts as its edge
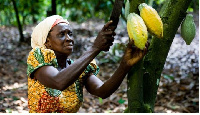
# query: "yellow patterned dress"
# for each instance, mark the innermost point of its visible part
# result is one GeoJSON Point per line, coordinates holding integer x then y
{"type": "Point", "coordinates": [42, 99]}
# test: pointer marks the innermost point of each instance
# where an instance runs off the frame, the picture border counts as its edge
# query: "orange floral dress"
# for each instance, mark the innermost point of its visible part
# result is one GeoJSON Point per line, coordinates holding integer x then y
{"type": "Point", "coordinates": [42, 99]}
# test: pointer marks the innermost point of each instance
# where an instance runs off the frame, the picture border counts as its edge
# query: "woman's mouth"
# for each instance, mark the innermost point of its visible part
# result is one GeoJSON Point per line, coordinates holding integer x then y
{"type": "Point", "coordinates": [70, 46]}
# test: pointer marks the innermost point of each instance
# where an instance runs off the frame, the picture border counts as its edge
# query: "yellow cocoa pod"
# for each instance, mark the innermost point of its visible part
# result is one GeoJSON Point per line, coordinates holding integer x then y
{"type": "Point", "coordinates": [152, 20]}
{"type": "Point", "coordinates": [137, 30]}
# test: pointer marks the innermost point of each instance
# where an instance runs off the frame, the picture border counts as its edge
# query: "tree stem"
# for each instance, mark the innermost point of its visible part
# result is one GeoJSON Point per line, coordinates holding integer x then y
{"type": "Point", "coordinates": [18, 21]}
{"type": "Point", "coordinates": [172, 15]}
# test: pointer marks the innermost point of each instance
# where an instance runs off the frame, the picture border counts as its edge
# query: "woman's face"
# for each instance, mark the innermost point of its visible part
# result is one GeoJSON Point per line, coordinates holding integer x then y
{"type": "Point", "coordinates": [60, 39]}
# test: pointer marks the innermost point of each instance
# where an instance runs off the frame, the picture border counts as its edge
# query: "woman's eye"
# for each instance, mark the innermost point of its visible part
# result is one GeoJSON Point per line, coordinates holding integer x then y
{"type": "Point", "coordinates": [62, 33]}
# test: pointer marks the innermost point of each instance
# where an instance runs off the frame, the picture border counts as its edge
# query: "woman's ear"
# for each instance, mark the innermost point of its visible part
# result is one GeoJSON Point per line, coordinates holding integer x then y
{"type": "Point", "coordinates": [47, 43]}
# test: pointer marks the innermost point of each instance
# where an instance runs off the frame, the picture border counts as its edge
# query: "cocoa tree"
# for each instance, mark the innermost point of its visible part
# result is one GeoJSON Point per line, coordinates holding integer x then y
{"type": "Point", "coordinates": [53, 7]}
{"type": "Point", "coordinates": [144, 77]}
{"type": "Point", "coordinates": [18, 21]}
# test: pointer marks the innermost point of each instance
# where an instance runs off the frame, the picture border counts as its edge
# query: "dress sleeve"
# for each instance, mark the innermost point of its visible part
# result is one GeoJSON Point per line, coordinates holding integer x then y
{"type": "Point", "coordinates": [39, 57]}
{"type": "Point", "coordinates": [92, 68]}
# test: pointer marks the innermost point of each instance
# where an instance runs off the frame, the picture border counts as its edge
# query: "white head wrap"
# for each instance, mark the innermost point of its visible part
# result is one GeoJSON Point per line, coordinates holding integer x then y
{"type": "Point", "coordinates": [40, 32]}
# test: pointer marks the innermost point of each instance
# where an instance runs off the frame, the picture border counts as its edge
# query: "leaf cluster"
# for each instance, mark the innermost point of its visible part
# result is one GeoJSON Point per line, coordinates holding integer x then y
{"type": "Point", "coordinates": [33, 11]}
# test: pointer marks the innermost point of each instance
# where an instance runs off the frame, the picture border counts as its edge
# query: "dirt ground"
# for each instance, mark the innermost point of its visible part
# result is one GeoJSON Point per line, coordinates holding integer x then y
{"type": "Point", "coordinates": [178, 89]}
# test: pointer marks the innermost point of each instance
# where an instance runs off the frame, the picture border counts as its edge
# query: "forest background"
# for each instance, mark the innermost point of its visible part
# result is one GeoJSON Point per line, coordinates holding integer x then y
{"type": "Point", "coordinates": [179, 85]}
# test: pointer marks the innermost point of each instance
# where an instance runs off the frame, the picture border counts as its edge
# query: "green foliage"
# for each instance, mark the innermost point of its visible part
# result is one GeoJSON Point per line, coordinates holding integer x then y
{"type": "Point", "coordinates": [113, 56]}
{"type": "Point", "coordinates": [147, 108]}
{"type": "Point", "coordinates": [1, 98]}
{"type": "Point", "coordinates": [81, 10]}
{"type": "Point", "coordinates": [15, 98]}
{"type": "Point", "coordinates": [121, 101]}
{"type": "Point", "coordinates": [100, 100]}
{"type": "Point", "coordinates": [157, 4]}
{"type": "Point", "coordinates": [33, 11]}
{"type": "Point", "coordinates": [168, 77]}
{"type": "Point", "coordinates": [194, 6]}
{"type": "Point", "coordinates": [29, 11]}
{"type": "Point", "coordinates": [6, 12]}
{"type": "Point", "coordinates": [8, 110]}
{"type": "Point", "coordinates": [127, 8]}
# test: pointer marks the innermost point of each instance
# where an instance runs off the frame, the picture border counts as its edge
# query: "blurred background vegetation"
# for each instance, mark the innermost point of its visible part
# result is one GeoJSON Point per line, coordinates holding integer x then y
{"type": "Point", "coordinates": [27, 12]}
{"type": "Point", "coordinates": [33, 11]}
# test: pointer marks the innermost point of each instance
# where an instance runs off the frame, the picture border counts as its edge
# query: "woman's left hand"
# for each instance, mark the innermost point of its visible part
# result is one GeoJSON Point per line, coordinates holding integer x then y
{"type": "Point", "coordinates": [105, 37]}
{"type": "Point", "coordinates": [133, 54]}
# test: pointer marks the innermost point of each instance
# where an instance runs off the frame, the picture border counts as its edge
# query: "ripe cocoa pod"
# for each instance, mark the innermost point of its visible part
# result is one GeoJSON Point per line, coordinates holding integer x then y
{"type": "Point", "coordinates": [188, 29]}
{"type": "Point", "coordinates": [137, 30]}
{"type": "Point", "coordinates": [152, 20]}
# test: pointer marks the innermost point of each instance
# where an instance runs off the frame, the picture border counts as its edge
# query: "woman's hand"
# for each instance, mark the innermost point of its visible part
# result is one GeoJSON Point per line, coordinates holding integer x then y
{"type": "Point", "coordinates": [105, 37]}
{"type": "Point", "coordinates": [133, 54]}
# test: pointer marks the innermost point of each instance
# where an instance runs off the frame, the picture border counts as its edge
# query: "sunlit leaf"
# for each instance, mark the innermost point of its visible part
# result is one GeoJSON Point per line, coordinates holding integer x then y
{"type": "Point", "coordinates": [100, 100]}
{"type": "Point", "coordinates": [8, 110]}
{"type": "Point", "coordinates": [168, 77]}
{"type": "Point", "coordinates": [121, 101]}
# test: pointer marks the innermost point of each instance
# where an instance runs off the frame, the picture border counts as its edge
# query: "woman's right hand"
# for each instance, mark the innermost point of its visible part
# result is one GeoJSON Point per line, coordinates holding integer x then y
{"type": "Point", "coordinates": [105, 37]}
{"type": "Point", "coordinates": [133, 54]}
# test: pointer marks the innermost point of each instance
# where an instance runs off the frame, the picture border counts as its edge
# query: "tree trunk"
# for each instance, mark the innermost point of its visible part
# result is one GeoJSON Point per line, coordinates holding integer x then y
{"type": "Point", "coordinates": [150, 68]}
{"type": "Point", "coordinates": [53, 6]}
{"type": "Point", "coordinates": [135, 80]}
{"type": "Point", "coordinates": [34, 19]}
{"type": "Point", "coordinates": [18, 22]}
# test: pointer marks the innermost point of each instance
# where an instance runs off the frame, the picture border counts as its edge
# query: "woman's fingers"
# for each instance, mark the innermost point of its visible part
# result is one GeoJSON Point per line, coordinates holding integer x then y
{"type": "Point", "coordinates": [145, 51]}
{"type": "Point", "coordinates": [147, 44]}
{"type": "Point", "coordinates": [130, 44]}
{"type": "Point", "coordinates": [109, 39]}
{"type": "Point", "coordinates": [146, 47]}
{"type": "Point", "coordinates": [108, 46]}
{"type": "Point", "coordinates": [107, 25]}
{"type": "Point", "coordinates": [112, 28]}
{"type": "Point", "coordinates": [106, 36]}
{"type": "Point", "coordinates": [109, 33]}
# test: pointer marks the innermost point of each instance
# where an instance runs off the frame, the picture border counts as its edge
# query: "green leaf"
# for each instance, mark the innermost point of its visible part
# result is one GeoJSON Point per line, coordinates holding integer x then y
{"type": "Point", "coordinates": [1, 98]}
{"type": "Point", "coordinates": [15, 69]}
{"type": "Point", "coordinates": [108, 111]}
{"type": "Point", "coordinates": [15, 98]}
{"type": "Point", "coordinates": [8, 110]}
{"type": "Point", "coordinates": [127, 8]}
{"type": "Point", "coordinates": [104, 60]}
{"type": "Point", "coordinates": [121, 101]}
{"type": "Point", "coordinates": [100, 100]}
{"type": "Point", "coordinates": [168, 77]}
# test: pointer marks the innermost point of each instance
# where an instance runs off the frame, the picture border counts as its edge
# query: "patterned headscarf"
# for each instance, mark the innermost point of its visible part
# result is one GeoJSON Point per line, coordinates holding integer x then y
{"type": "Point", "coordinates": [40, 32]}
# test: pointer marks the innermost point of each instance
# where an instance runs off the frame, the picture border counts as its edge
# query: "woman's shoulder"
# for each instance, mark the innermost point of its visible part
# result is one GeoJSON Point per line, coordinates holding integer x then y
{"type": "Point", "coordinates": [41, 55]}
{"type": "Point", "coordinates": [41, 50]}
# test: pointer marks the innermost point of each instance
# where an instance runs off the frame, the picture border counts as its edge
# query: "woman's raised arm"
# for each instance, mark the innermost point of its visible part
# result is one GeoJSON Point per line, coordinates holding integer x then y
{"type": "Point", "coordinates": [96, 87]}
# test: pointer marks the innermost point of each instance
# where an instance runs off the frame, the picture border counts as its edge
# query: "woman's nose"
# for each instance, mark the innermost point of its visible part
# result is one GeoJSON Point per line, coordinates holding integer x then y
{"type": "Point", "coordinates": [69, 39]}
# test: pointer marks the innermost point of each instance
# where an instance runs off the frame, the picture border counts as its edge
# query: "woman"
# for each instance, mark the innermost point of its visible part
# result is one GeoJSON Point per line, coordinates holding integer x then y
{"type": "Point", "coordinates": [55, 83]}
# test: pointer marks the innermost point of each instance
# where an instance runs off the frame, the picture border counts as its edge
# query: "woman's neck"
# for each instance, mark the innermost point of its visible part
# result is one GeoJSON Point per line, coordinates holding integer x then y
{"type": "Point", "coordinates": [61, 59]}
